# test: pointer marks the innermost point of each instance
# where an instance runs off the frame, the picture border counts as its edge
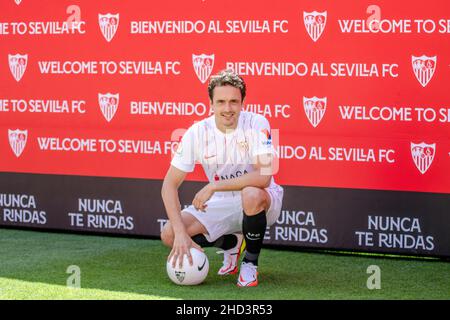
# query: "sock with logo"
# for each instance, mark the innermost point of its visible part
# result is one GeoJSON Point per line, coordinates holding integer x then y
{"type": "Point", "coordinates": [254, 228]}
{"type": "Point", "coordinates": [225, 242]}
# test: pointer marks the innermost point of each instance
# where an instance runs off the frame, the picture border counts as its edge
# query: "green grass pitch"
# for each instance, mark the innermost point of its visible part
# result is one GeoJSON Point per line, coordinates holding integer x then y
{"type": "Point", "coordinates": [33, 265]}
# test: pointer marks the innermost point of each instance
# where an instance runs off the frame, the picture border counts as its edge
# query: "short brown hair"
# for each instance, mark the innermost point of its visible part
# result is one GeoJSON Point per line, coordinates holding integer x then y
{"type": "Point", "coordinates": [227, 78]}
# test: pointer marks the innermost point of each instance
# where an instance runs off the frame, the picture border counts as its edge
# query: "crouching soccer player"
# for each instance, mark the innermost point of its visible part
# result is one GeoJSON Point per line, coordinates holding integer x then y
{"type": "Point", "coordinates": [241, 199]}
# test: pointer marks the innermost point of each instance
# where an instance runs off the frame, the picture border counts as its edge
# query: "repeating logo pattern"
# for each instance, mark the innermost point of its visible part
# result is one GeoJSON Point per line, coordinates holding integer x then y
{"type": "Point", "coordinates": [315, 109]}
{"type": "Point", "coordinates": [17, 140]}
{"type": "Point", "coordinates": [424, 68]}
{"type": "Point", "coordinates": [203, 66]}
{"type": "Point", "coordinates": [315, 23]}
{"type": "Point", "coordinates": [108, 104]}
{"type": "Point", "coordinates": [17, 65]}
{"type": "Point", "coordinates": [108, 25]}
{"type": "Point", "coordinates": [423, 155]}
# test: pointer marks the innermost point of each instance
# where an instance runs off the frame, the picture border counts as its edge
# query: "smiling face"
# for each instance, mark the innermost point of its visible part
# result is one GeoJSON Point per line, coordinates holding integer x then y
{"type": "Point", "coordinates": [227, 105]}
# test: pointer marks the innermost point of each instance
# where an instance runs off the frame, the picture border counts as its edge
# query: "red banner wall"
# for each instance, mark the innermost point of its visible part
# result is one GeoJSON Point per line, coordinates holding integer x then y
{"type": "Point", "coordinates": [375, 104]}
{"type": "Point", "coordinates": [364, 71]}
{"type": "Point", "coordinates": [356, 94]}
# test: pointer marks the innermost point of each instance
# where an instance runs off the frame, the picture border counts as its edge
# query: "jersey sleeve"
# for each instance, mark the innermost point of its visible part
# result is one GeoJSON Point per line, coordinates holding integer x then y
{"type": "Point", "coordinates": [261, 138]}
{"type": "Point", "coordinates": [185, 156]}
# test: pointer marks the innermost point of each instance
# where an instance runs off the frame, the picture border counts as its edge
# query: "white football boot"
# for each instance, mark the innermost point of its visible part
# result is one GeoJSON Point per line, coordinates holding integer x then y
{"type": "Point", "coordinates": [248, 277]}
{"type": "Point", "coordinates": [231, 257]}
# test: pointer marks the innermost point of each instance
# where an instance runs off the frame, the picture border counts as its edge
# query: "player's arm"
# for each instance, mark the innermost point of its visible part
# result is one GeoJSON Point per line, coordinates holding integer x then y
{"type": "Point", "coordinates": [263, 158]}
{"type": "Point", "coordinates": [182, 242]}
{"type": "Point", "coordinates": [169, 192]}
{"type": "Point", "coordinates": [259, 178]}
{"type": "Point", "coordinates": [182, 162]}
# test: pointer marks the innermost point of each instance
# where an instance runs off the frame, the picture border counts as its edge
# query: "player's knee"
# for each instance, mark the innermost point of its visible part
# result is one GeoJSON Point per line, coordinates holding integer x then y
{"type": "Point", "coordinates": [253, 200]}
{"type": "Point", "coordinates": [167, 235]}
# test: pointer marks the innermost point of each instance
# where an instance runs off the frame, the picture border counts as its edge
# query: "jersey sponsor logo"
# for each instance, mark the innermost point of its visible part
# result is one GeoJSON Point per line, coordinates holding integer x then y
{"type": "Point", "coordinates": [17, 65]}
{"type": "Point", "coordinates": [315, 23]}
{"type": "Point", "coordinates": [17, 1]}
{"type": "Point", "coordinates": [315, 109]}
{"type": "Point", "coordinates": [108, 104]}
{"type": "Point", "coordinates": [423, 155]}
{"type": "Point", "coordinates": [424, 68]}
{"type": "Point", "coordinates": [268, 137]}
{"type": "Point", "coordinates": [229, 176]}
{"type": "Point", "coordinates": [17, 140]}
{"type": "Point", "coordinates": [108, 25]}
{"type": "Point", "coordinates": [203, 66]}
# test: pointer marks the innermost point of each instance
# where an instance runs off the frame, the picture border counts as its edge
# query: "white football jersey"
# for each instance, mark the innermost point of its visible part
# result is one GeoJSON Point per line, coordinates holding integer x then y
{"type": "Point", "coordinates": [225, 156]}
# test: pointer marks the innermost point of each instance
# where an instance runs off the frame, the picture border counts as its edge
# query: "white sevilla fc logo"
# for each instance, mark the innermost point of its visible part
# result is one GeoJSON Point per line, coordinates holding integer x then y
{"type": "Point", "coordinates": [108, 25]}
{"type": "Point", "coordinates": [315, 109]}
{"type": "Point", "coordinates": [18, 65]}
{"type": "Point", "coordinates": [423, 155]}
{"type": "Point", "coordinates": [315, 23]}
{"type": "Point", "coordinates": [108, 104]}
{"type": "Point", "coordinates": [424, 68]}
{"type": "Point", "coordinates": [17, 140]}
{"type": "Point", "coordinates": [203, 66]}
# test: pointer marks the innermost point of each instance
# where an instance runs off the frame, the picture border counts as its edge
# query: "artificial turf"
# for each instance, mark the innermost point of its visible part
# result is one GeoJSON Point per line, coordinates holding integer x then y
{"type": "Point", "coordinates": [33, 265]}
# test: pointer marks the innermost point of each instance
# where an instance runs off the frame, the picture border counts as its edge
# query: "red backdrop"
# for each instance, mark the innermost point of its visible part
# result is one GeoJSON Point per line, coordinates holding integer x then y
{"type": "Point", "coordinates": [358, 70]}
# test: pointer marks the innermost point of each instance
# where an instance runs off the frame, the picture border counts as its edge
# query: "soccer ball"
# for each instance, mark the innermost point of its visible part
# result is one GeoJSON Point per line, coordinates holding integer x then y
{"type": "Point", "coordinates": [189, 275]}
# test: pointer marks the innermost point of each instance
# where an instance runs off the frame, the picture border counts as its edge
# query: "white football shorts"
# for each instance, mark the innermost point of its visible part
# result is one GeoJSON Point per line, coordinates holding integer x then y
{"type": "Point", "coordinates": [223, 215]}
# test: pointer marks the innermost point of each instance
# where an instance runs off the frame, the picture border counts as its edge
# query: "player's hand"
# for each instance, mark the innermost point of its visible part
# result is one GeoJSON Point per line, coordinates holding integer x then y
{"type": "Point", "coordinates": [202, 196]}
{"type": "Point", "coordinates": [182, 244]}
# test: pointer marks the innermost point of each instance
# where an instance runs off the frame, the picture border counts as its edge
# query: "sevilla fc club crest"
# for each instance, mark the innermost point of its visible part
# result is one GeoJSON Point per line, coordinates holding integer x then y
{"type": "Point", "coordinates": [423, 155]}
{"type": "Point", "coordinates": [108, 24]}
{"type": "Point", "coordinates": [17, 65]}
{"type": "Point", "coordinates": [180, 275]}
{"type": "Point", "coordinates": [315, 23]}
{"type": "Point", "coordinates": [108, 104]}
{"type": "Point", "coordinates": [315, 109]}
{"type": "Point", "coordinates": [203, 66]}
{"type": "Point", "coordinates": [17, 140]}
{"type": "Point", "coordinates": [18, 1]}
{"type": "Point", "coordinates": [424, 68]}
{"type": "Point", "coordinates": [243, 146]}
